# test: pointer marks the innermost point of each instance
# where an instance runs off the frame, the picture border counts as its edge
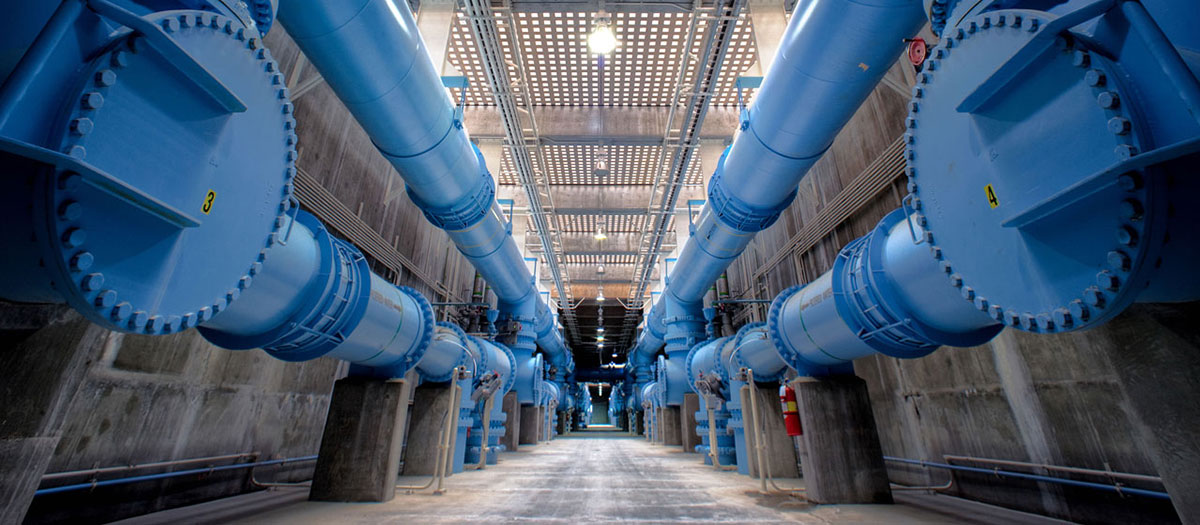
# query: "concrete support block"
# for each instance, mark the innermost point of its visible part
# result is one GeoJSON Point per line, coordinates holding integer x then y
{"type": "Point", "coordinates": [1156, 355]}
{"type": "Point", "coordinates": [671, 419]}
{"type": "Point", "coordinates": [779, 456]}
{"type": "Point", "coordinates": [425, 426]}
{"type": "Point", "coordinates": [687, 422]}
{"type": "Point", "coordinates": [45, 361]}
{"type": "Point", "coordinates": [843, 460]}
{"type": "Point", "coordinates": [360, 448]}
{"type": "Point", "coordinates": [512, 434]}
{"type": "Point", "coordinates": [638, 423]}
{"type": "Point", "coordinates": [562, 423]}
{"type": "Point", "coordinates": [531, 423]}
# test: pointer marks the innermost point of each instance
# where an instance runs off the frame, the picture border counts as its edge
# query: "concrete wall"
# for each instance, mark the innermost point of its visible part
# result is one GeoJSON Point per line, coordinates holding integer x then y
{"type": "Point", "coordinates": [148, 399]}
{"type": "Point", "coordinates": [1053, 399]}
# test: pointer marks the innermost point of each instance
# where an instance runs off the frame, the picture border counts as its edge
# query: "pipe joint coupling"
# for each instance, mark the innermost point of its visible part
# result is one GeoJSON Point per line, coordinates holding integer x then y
{"type": "Point", "coordinates": [738, 215]}
{"type": "Point", "coordinates": [464, 213]}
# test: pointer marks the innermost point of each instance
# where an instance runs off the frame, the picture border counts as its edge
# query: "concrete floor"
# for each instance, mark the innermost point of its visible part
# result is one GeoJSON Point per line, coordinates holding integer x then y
{"type": "Point", "coordinates": [588, 477]}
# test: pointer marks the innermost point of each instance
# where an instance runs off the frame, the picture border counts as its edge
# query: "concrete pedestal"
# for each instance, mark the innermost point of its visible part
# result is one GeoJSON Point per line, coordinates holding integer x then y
{"type": "Point", "coordinates": [671, 420]}
{"type": "Point", "coordinates": [843, 461]}
{"type": "Point", "coordinates": [638, 423]}
{"type": "Point", "coordinates": [1156, 354]}
{"type": "Point", "coordinates": [360, 448]}
{"type": "Point", "coordinates": [687, 422]}
{"type": "Point", "coordinates": [512, 408]}
{"type": "Point", "coordinates": [429, 408]}
{"type": "Point", "coordinates": [779, 455]}
{"type": "Point", "coordinates": [44, 353]}
{"type": "Point", "coordinates": [531, 424]}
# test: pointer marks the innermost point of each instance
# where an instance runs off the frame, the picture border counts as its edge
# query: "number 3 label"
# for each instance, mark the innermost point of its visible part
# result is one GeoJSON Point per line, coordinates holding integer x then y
{"type": "Point", "coordinates": [208, 201]}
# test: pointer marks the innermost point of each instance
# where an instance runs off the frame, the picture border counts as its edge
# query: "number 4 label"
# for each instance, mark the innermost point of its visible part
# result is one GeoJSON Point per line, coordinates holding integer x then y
{"type": "Point", "coordinates": [989, 190]}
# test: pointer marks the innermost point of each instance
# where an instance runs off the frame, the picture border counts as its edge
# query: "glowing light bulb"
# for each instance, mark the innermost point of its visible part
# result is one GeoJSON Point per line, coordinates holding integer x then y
{"type": "Point", "coordinates": [602, 41]}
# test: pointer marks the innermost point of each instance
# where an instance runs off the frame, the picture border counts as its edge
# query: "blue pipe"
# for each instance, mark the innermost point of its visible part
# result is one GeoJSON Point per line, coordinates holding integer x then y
{"type": "Point", "coordinates": [954, 265]}
{"type": "Point", "coordinates": [371, 54]}
{"type": "Point", "coordinates": [314, 296]}
{"type": "Point", "coordinates": [1035, 477]}
{"type": "Point", "coordinates": [884, 294]}
{"type": "Point", "coordinates": [810, 92]}
{"type": "Point", "coordinates": [165, 475]}
{"type": "Point", "coordinates": [781, 139]}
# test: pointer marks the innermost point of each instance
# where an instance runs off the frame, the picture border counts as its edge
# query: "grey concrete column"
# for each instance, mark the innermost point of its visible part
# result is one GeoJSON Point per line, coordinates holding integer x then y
{"type": "Point", "coordinates": [531, 423]}
{"type": "Point", "coordinates": [770, 23]}
{"type": "Point", "coordinates": [779, 455]}
{"type": "Point", "coordinates": [512, 432]}
{"type": "Point", "coordinates": [429, 408]}
{"type": "Point", "coordinates": [44, 355]}
{"type": "Point", "coordinates": [687, 422]}
{"type": "Point", "coordinates": [360, 448]}
{"type": "Point", "coordinates": [671, 423]}
{"type": "Point", "coordinates": [435, 20]}
{"type": "Point", "coordinates": [1155, 351]}
{"type": "Point", "coordinates": [710, 155]}
{"type": "Point", "coordinates": [843, 461]}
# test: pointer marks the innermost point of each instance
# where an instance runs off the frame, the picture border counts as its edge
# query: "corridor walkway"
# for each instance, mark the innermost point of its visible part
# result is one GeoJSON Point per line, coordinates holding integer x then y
{"type": "Point", "coordinates": [588, 477]}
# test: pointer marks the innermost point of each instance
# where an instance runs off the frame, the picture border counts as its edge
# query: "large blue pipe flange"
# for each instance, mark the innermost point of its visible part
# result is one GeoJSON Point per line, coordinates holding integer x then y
{"type": "Point", "coordinates": [462, 358]}
{"type": "Point", "coordinates": [427, 327]}
{"type": "Point", "coordinates": [263, 13]}
{"type": "Point", "coordinates": [868, 301]}
{"type": "Point", "coordinates": [481, 363]}
{"type": "Point", "coordinates": [467, 212]}
{"type": "Point", "coordinates": [724, 353]}
{"type": "Point", "coordinates": [158, 240]}
{"type": "Point", "coordinates": [938, 12]}
{"type": "Point", "coordinates": [738, 215]}
{"type": "Point", "coordinates": [789, 354]}
{"type": "Point", "coordinates": [712, 347]}
{"type": "Point", "coordinates": [330, 308]}
{"type": "Point", "coordinates": [512, 365]}
{"type": "Point", "coordinates": [1038, 225]}
{"type": "Point", "coordinates": [740, 362]}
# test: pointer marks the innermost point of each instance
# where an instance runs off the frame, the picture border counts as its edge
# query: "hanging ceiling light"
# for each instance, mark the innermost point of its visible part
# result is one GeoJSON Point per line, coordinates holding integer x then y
{"type": "Point", "coordinates": [600, 235]}
{"type": "Point", "coordinates": [600, 296]}
{"type": "Point", "coordinates": [600, 269]}
{"type": "Point", "coordinates": [600, 329]}
{"type": "Point", "coordinates": [614, 354]}
{"type": "Point", "coordinates": [602, 41]}
{"type": "Point", "coordinates": [601, 168]}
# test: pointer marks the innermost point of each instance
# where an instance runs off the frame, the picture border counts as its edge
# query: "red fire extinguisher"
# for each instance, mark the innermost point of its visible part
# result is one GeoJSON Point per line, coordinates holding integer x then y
{"type": "Point", "coordinates": [791, 414]}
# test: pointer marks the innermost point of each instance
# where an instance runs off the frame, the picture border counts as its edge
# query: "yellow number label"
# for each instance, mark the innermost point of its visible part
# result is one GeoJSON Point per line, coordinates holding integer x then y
{"type": "Point", "coordinates": [212, 196]}
{"type": "Point", "coordinates": [991, 196]}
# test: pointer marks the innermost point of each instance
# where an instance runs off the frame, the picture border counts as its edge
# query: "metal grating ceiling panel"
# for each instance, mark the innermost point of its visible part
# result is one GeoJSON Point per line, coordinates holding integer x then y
{"type": "Point", "coordinates": [641, 72]}
{"type": "Point", "coordinates": [612, 223]}
{"type": "Point", "coordinates": [574, 165]}
{"type": "Point", "coordinates": [596, 259]}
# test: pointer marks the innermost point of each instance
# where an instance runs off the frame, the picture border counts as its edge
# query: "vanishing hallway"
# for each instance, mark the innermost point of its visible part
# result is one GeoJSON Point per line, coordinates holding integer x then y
{"type": "Point", "coordinates": [587, 477]}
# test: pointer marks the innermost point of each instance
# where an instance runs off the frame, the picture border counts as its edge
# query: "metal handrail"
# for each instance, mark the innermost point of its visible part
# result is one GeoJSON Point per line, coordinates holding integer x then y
{"type": "Point", "coordinates": [140, 466]}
